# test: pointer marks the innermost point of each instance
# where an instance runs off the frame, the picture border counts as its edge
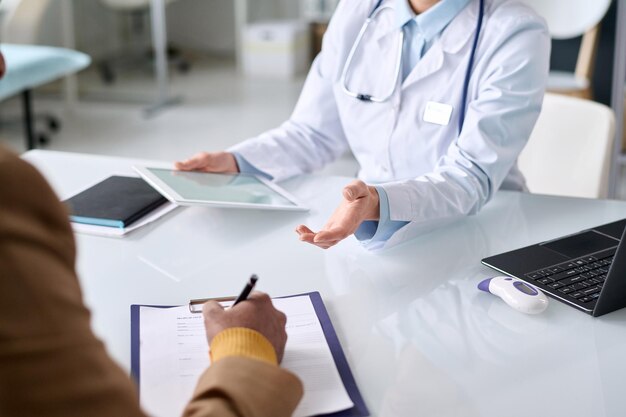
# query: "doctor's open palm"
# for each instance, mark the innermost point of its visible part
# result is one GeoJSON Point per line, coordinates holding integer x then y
{"type": "Point", "coordinates": [360, 202]}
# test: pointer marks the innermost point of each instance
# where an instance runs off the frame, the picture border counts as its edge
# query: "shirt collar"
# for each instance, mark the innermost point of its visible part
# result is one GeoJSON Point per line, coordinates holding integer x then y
{"type": "Point", "coordinates": [434, 20]}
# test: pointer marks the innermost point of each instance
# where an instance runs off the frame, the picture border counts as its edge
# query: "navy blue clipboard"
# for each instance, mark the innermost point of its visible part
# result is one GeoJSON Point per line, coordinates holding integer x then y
{"type": "Point", "coordinates": [359, 409]}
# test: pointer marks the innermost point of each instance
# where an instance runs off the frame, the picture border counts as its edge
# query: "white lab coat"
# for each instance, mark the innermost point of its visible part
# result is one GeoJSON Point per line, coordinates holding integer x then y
{"type": "Point", "coordinates": [430, 172]}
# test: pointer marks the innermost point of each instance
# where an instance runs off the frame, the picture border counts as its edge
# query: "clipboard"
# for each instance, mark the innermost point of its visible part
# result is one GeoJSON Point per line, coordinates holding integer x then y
{"type": "Point", "coordinates": [359, 409]}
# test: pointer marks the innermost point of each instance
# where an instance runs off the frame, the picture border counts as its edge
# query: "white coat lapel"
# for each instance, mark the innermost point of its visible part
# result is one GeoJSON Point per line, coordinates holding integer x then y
{"type": "Point", "coordinates": [431, 62]}
{"type": "Point", "coordinates": [386, 29]}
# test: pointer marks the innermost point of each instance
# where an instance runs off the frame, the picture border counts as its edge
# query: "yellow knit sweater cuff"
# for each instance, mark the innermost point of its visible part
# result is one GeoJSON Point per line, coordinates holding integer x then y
{"type": "Point", "coordinates": [240, 341]}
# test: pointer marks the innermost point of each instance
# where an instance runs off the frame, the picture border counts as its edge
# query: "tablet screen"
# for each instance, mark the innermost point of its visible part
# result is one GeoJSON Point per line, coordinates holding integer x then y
{"type": "Point", "coordinates": [228, 188]}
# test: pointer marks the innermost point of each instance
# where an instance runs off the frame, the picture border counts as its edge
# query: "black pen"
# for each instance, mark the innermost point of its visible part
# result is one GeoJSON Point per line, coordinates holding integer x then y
{"type": "Point", "coordinates": [246, 290]}
{"type": "Point", "coordinates": [195, 306]}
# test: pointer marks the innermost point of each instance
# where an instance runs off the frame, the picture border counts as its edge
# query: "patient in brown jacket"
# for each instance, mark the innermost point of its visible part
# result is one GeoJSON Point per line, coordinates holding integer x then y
{"type": "Point", "coordinates": [51, 363]}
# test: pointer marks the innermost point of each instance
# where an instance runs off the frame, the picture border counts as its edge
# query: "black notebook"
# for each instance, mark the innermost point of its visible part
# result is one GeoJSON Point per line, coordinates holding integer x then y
{"type": "Point", "coordinates": [115, 202]}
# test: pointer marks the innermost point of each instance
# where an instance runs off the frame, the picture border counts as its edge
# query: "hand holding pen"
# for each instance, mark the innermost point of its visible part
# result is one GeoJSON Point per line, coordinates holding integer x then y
{"type": "Point", "coordinates": [195, 306]}
{"type": "Point", "coordinates": [256, 313]}
{"type": "Point", "coordinates": [246, 290]}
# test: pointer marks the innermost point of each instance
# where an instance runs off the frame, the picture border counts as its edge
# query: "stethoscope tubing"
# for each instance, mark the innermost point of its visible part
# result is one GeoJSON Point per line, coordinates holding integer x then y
{"type": "Point", "coordinates": [348, 64]}
{"type": "Point", "coordinates": [470, 65]}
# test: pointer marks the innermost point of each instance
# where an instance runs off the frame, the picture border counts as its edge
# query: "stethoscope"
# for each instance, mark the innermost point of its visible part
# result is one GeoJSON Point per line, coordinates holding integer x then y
{"type": "Point", "coordinates": [398, 67]}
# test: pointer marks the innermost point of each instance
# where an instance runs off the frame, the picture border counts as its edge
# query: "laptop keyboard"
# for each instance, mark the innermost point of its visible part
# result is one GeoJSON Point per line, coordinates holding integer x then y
{"type": "Point", "coordinates": [581, 278]}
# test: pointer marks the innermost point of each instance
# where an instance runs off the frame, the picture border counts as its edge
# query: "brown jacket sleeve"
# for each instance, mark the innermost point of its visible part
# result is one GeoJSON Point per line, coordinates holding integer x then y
{"type": "Point", "coordinates": [51, 364]}
{"type": "Point", "coordinates": [237, 386]}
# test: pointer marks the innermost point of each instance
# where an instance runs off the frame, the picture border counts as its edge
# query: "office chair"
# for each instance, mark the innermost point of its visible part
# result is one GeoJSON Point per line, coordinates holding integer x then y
{"type": "Point", "coordinates": [135, 11]}
{"type": "Point", "coordinates": [569, 19]}
{"type": "Point", "coordinates": [30, 66]}
{"type": "Point", "coordinates": [569, 151]}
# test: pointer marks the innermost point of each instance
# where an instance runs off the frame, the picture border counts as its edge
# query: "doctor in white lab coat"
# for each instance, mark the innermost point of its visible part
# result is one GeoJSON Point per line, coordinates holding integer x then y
{"type": "Point", "coordinates": [421, 163]}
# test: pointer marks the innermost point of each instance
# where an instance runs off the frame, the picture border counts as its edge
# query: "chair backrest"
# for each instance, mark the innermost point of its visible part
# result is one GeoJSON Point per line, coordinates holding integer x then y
{"type": "Point", "coordinates": [570, 18]}
{"type": "Point", "coordinates": [587, 53]}
{"type": "Point", "coordinates": [569, 151]}
{"type": "Point", "coordinates": [23, 20]}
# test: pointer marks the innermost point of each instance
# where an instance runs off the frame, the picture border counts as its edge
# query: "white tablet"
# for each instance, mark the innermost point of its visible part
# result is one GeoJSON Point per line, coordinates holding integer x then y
{"type": "Point", "coordinates": [192, 188]}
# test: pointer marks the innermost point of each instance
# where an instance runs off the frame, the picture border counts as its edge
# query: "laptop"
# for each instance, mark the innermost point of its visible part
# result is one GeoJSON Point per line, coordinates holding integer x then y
{"type": "Point", "coordinates": [585, 270]}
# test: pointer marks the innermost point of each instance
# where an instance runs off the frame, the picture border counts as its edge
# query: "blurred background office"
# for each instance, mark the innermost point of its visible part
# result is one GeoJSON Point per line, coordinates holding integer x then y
{"type": "Point", "coordinates": [163, 79]}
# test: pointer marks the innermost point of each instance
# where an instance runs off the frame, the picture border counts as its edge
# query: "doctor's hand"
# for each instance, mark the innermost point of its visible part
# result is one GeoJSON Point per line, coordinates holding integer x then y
{"type": "Point", "coordinates": [360, 203]}
{"type": "Point", "coordinates": [209, 162]}
{"type": "Point", "coordinates": [257, 313]}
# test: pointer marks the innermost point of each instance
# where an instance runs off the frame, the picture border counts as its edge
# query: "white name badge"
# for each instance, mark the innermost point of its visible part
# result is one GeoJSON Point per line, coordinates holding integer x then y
{"type": "Point", "coordinates": [437, 113]}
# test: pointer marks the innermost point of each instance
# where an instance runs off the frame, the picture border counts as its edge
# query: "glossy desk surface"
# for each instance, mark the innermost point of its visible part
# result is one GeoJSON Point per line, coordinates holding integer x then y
{"type": "Point", "coordinates": [420, 338]}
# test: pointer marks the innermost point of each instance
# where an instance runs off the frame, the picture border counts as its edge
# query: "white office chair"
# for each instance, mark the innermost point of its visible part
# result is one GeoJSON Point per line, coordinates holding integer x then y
{"type": "Point", "coordinates": [569, 151]}
{"type": "Point", "coordinates": [134, 57]}
{"type": "Point", "coordinates": [569, 19]}
{"type": "Point", "coordinates": [30, 65]}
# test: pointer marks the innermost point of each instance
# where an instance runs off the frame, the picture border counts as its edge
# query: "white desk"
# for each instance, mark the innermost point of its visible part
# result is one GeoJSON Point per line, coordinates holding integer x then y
{"type": "Point", "coordinates": [420, 338]}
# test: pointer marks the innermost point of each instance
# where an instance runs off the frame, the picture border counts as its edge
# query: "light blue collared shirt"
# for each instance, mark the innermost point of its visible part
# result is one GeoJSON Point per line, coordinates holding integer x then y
{"type": "Point", "coordinates": [422, 30]}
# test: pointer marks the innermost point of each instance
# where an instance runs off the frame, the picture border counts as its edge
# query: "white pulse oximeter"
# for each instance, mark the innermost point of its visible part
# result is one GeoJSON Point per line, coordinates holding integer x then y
{"type": "Point", "coordinates": [516, 293]}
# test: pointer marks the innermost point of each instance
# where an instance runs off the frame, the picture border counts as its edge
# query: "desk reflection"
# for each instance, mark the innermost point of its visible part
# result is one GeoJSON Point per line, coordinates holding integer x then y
{"type": "Point", "coordinates": [429, 343]}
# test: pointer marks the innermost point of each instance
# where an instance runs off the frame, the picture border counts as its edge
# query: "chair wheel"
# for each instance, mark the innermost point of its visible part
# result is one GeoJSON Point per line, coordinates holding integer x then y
{"type": "Point", "coordinates": [106, 73]}
{"type": "Point", "coordinates": [183, 66]}
{"type": "Point", "coordinates": [43, 138]}
{"type": "Point", "coordinates": [54, 124]}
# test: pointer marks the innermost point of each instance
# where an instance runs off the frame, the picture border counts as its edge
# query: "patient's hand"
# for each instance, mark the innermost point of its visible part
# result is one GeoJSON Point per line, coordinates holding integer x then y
{"type": "Point", "coordinates": [360, 203]}
{"type": "Point", "coordinates": [209, 162]}
{"type": "Point", "coordinates": [256, 313]}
